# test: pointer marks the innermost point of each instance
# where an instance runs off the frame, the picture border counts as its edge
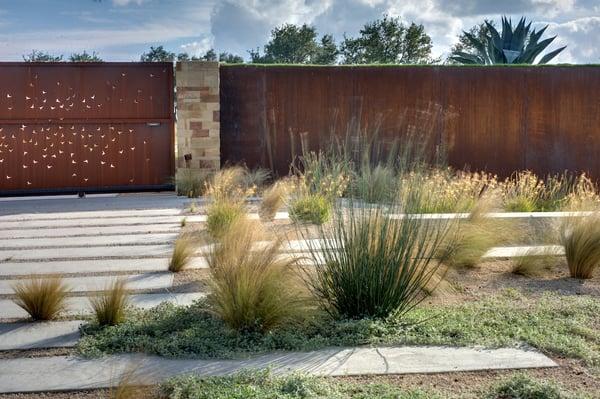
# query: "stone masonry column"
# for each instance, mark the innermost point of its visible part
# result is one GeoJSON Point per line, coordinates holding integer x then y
{"type": "Point", "coordinates": [198, 126]}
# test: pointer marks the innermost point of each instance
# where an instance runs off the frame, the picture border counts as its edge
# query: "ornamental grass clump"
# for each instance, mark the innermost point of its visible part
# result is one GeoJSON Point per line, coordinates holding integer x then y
{"type": "Point", "coordinates": [450, 191]}
{"type": "Point", "coordinates": [310, 208]}
{"type": "Point", "coordinates": [228, 190]}
{"type": "Point", "coordinates": [526, 192]}
{"type": "Point", "coordinates": [183, 250]}
{"type": "Point", "coordinates": [580, 237]}
{"type": "Point", "coordinates": [477, 234]}
{"type": "Point", "coordinates": [522, 191]}
{"type": "Point", "coordinates": [376, 184]}
{"type": "Point", "coordinates": [109, 307]}
{"type": "Point", "coordinates": [583, 196]}
{"type": "Point", "coordinates": [274, 198]}
{"type": "Point", "coordinates": [41, 298]}
{"type": "Point", "coordinates": [375, 265]}
{"type": "Point", "coordinates": [254, 288]}
{"type": "Point", "coordinates": [320, 180]}
{"type": "Point", "coordinates": [190, 183]}
{"type": "Point", "coordinates": [232, 184]}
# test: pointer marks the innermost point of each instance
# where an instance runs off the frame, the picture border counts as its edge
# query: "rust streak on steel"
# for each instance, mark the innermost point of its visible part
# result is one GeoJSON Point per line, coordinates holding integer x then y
{"type": "Point", "coordinates": [499, 119]}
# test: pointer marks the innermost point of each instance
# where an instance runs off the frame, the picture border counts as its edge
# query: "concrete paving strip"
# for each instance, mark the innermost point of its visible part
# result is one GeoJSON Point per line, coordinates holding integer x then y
{"type": "Point", "coordinates": [514, 252]}
{"type": "Point", "coordinates": [92, 266]}
{"type": "Point", "coordinates": [89, 231]}
{"type": "Point", "coordinates": [99, 283]}
{"type": "Point", "coordinates": [437, 216]}
{"type": "Point", "coordinates": [98, 241]}
{"type": "Point", "coordinates": [56, 197]}
{"type": "Point", "coordinates": [91, 222]}
{"type": "Point", "coordinates": [123, 251]}
{"type": "Point", "coordinates": [81, 305]}
{"type": "Point", "coordinates": [69, 373]}
{"type": "Point", "coordinates": [303, 248]}
{"type": "Point", "coordinates": [50, 334]}
{"type": "Point", "coordinates": [91, 214]}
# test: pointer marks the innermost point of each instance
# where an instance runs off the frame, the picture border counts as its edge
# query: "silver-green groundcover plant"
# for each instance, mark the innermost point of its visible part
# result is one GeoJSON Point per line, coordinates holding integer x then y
{"type": "Point", "coordinates": [520, 45]}
{"type": "Point", "coordinates": [372, 265]}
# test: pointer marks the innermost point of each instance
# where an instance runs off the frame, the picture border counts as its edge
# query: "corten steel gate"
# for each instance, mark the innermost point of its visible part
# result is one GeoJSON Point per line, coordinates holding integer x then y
{"type": "Point", "coordinates": [71, 127]}
{"type": "Point", "coordinates": [499, 119]}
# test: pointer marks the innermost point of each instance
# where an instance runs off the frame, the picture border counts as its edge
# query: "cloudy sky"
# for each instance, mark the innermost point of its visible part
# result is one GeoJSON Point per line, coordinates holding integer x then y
{"type": "Point", "coordinates": [120, 30]}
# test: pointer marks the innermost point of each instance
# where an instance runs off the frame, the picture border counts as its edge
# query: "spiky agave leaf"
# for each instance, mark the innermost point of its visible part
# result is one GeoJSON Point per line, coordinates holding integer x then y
{"type": "Point", "coordinates": [520, 45]}
{"type": "Point", "coordinates": [548, 57]}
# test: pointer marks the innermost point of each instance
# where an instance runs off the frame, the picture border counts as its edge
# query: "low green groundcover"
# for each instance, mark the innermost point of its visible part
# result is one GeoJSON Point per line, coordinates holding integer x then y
{"type": "Point", "coordinates": [564, 325]}
{"type": "Point", "coordinates": [263, 385]}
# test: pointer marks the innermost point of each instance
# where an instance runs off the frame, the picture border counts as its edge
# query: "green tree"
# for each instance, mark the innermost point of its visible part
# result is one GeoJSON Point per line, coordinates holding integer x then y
{"type": "Point", "coordinates": [85, 57]}
{"type": "Point", "coordinates": [41, 56]}
{"type": "Point", "coordinates": [211, 55]}
{"type": "Point", "coordinates": [157, 54]}
{"type": "Point", "coordinates": [328, 52]}
{"type": "Point", "coordinates": [292, 44]}
{"type": "Point", "coordinates": [388, 41]}
{"type": "Point", "coordinates": [229, 58]}
{"type": "Point", "coordinates": [515, 45]}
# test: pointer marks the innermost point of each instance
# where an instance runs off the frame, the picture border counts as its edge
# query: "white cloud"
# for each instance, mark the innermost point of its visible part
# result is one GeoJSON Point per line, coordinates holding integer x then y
{"type": "Point", "coordinates": [581, 38]}
{"type": "Point", "coordinates": [198, 48]}
{"type": "Point", "coordinates": [122, 3]}
{"type": "Point", "coordinates": [239, 25]}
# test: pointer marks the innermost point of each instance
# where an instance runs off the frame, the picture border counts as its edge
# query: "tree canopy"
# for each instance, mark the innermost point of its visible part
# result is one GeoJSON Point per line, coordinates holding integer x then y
{"type": "Point", "coordinates": [157, 54]}
{"type": "Point", "coordinates": [85, 57]}
{"type": "Point", "coordinates": [464, 44]}
{"type": "Point", "coordinates": [41, 56]}
{"type": "Point", "coordinates": [388, 41]}
{"type": "Point", "coordinates": [293, 44]}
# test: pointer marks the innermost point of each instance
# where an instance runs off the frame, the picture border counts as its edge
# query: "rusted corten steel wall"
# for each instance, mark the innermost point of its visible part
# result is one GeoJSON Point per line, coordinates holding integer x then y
{"type": "Point", "coordinates": [68, 127]}
{"type": "Point", "coordinates": [499, 119]}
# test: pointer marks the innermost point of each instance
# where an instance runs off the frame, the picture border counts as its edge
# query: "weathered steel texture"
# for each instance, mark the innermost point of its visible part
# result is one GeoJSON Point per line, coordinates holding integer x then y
{"type": "Point", "coordinates": [497, 119]}
{"type": "Point", "coordinates": [85, 127]}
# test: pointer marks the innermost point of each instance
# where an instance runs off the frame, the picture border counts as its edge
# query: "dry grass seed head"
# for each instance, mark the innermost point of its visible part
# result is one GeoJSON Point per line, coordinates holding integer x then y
{"type": "Point", "coordinates": [221, 215]}
{"type": "Point", "coordinates": [231, 184]}
{"type": "Point", "coordinates": [580, 237]}
{"type": "Point", "coordinates": [109, 307]}
{"type": "Point", "coordinates": [190, 182]}
{"type": "Point", "coordinates": [254, 287]}
{"type": "Point", "coordinates": [128, 386]}
{"type": "Point", "coordinates": [41, 298]}
{"type": "Point", "coordinates": [274, 198]}
{"type": "Point", "coordinates": [183, 250]}
{"type": "Point", "coordinates": [477, 234]}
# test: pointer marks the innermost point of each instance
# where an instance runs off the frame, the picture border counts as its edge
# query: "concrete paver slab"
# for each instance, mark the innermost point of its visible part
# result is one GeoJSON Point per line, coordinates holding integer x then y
{"type": "Point", "coordinates": [89, 231]}
{"type": "Point", "coordinates": [50, 334]}
{"type": "Point", "coordinates": [82, 266]}
{"type": "Point", "coordinates": [123, 251]}
{"type": "Point", "coordinates": [91, 214]}
{"type": "Point", "coordinates": [98, 241]}
{"type": "Point", "coordinates": [90, 222]}
{"type": "Point", "coordinates": [139, 201]}
{"type": "Point", "coordinates": [531, 250]}
{"type": "Point", "coordinates": [65, 373]}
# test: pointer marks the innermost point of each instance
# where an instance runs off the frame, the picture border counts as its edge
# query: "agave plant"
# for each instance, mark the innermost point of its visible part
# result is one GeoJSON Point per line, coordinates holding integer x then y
{"type": "Point", "coordinates": [520, 45]}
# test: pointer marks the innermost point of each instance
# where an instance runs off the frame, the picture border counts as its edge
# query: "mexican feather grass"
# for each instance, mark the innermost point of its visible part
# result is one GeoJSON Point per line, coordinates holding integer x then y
{"type": "Point", "coordinates": [254, 288]}
{"type": "Point", "coordinates": [41, 298]}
